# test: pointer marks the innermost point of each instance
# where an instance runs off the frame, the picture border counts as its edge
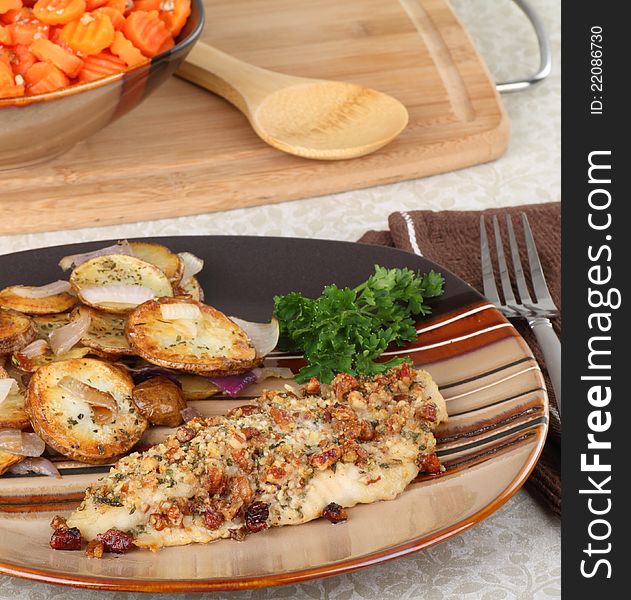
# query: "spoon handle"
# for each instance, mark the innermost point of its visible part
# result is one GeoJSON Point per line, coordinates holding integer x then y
{"type": "Point", "coordinates": [241, 83]}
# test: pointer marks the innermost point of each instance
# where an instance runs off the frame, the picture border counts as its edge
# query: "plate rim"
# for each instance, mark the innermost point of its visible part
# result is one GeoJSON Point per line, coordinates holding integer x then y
{"type": "Point", "coordinates": [291, 577]}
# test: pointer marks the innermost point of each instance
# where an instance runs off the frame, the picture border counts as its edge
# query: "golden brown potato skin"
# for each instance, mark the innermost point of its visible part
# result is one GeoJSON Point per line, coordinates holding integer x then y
{"type": "Point", "coordinates": [66, 423]}
{"type": "Point", "coordinates": [16, 331]}
{"type": "Point", "coordinates": [106, 334]}
{"type": "Point", "coordinates": [7, 460]}
{"type": "Point", "coordinates": [153, 339]}
{"type": "Point", "coordinates": [190, 288]}
{"type": "Point", "coordinates": [118, 269]}
{"type": "Point", "coordinates": [12, 413]}
{"type": "Point", "coordinates": [160, 401]}
{"type": "Point", "coordinates": [30, 365]}
{"type": "Point", "coordinates": [160, 256]}
{"type": "Point", "coordinates": [50, 305]}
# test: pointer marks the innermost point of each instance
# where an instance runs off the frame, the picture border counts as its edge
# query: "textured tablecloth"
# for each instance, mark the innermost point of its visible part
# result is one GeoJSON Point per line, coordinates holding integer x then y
{"type": "Point", "coordinates": [515, 553]}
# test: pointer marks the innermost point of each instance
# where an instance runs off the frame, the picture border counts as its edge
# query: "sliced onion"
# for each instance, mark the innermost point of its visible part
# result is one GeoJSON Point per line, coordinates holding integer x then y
{"type": "Point", "coordinates": [43, 291]}
{"type": "Point", "coordinates": [7, 386]}
{"type": "Point", "coordinates": [190, 413]}
{"type": "Point", "coordinates": [118, 293]}
{"type": "Point", "coordinates": [64, 338]}
{"type": "Point", "coordinates": [35, 349]}
{"type": "Point", "coordinates": [40, 466]}
{"type": "Point", "coordinates": [267, 372]}
{"type": "Point", "coordinates": [234, 384]}
{"type": "Point", "coordinates": [74, 260]}
{"type": "Point", "coordinates": [180, 310]}
{"type": "Point", "coordinates": [264, 336]}
{"type": "Point", "coordinates": [23, 444]}
{"type": "Point", "coordinates": [103, 404]}
{"type": "Point", "coordinates": [192, 265]}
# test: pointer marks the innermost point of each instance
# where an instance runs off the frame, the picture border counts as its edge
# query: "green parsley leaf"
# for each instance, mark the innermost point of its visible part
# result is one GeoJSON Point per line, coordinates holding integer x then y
{"type": "Point", "coordinates": [345, 330]}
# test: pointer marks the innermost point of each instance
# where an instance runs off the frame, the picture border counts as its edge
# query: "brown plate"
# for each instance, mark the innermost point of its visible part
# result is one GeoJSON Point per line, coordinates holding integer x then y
{"type": "Point", "coordinates": [498, 422]}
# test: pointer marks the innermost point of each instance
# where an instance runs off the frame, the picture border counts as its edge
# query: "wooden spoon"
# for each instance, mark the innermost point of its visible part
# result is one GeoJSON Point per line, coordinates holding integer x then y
{"type": "Point", "coordinates": [314, 118]}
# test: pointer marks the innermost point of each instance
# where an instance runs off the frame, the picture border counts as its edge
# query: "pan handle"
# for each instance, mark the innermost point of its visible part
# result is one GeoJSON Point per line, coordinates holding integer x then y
{"type": "Point", "coordinates": [545, 54]}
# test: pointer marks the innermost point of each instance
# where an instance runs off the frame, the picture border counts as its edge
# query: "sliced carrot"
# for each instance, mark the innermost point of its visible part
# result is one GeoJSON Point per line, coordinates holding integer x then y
{"type": "Point", "coordinates": [23, 60]}
{"type": "Point", "coordinates": [7, 5]}
{"type": "Point", "coordinates": [6, 73]}
{"type": "Point", "coordinates": [168, 44]}
{"type": "Point", "coordinates": [53, 34]}
{"type": "Point", "coordinates": [10, 84]}
{"type": "Point", "coordinates": [146, 31]}
{"type": "Point", "coordinates": [43, 77]}
{"type": "Point", "coordinates": [91, 5]}
{"type": "Point", "coordinates": [7, 79]}
{"type": "Point", "coordinates": [7, 56]}
{"type": "Point", "coordinates": [12, 91]}
{"type": "Point", "coordinates": [14, 15]}
{"type": "Point", "coordinates": [147, 4]}
{"type": "Point", "coordinates": [6, 37]}
{"type": "Point", "coordinates": [47, 51]}
{"type": "Point", "coordinates": [48, 44]}
{"type": "Point", "coordinates": [26, 28]}
{"type": "Point", "coordinates": [89, 35]}
{"type": "Point", "coordinates": [100, 65]}
{"type": "Point", "coordinates": [119, 5]}
{"type": "Point", "coordinates": [175, 18]}
{"type": "Point", "coordinates": [58, 12]}
{"type": "Point", "coordinates": [24, 33]}
{"type": "Point", "coordinates": [36, 72]}
{"type": "Point", "coordinates": [126, 51]}
{"type": "Point", "coordinates": [117, 18]}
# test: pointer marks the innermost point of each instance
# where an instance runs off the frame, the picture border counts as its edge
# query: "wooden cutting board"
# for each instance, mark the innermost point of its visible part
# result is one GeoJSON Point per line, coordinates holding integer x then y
{"type": "Point", "coordinates": [185, 151]}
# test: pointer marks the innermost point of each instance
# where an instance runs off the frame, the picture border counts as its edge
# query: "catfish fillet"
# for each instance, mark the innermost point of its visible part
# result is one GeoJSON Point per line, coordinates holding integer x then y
{"type": "Point", "coordinates": [277, 461]}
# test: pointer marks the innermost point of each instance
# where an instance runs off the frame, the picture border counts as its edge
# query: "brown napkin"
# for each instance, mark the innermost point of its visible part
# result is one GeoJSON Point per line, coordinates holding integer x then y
{"type": "Point", "coordinates": [452, 239]}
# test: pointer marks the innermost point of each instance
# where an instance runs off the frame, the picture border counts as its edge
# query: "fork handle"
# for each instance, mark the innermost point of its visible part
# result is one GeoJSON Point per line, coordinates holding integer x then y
{"type": "Point", "coordinates": [551, 347]}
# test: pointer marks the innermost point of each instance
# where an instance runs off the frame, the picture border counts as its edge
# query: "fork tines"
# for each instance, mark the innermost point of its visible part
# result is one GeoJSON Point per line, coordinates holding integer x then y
{"type": "Point", "coordinates": [525, 306]}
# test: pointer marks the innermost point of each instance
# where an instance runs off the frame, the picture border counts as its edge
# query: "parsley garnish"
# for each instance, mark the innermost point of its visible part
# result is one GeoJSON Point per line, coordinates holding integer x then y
{"type": "Point", "coordinates": [345, 330]}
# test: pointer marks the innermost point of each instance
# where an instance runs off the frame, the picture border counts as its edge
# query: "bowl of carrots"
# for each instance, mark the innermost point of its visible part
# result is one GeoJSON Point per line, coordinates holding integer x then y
{"type": "Point", "coordinates": [70, 67]}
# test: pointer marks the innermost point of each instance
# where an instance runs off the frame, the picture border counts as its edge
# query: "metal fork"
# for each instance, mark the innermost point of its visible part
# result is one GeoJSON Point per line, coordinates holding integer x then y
{"type": "Point", "coordinates": [537, 313]}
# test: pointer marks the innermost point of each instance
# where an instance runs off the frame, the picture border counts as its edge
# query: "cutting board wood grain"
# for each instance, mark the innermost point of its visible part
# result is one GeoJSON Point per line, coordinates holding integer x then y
{"type": "Point", "coordinates": [185, 151]}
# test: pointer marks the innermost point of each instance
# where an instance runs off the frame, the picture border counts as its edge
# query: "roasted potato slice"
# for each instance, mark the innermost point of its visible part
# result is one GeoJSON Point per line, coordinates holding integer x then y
{"type": "Point", "coordinates": [218, 346]}
{"type": "Point", "coordinates": [118, 269]}
{"type": "Point", "coordinates": [46, 324]}
{"type": "Point", "coordinates": [190, 288]}
{"type": "Point", "coordinates": [67, 423]}
{"type": "Point", "coordinates": [50, 305]}
{"type": "Point", "coordinates": [30, 365]}
{"type": "Point", "coordinates": [196, 387]}
{"type": "Point", "coordinates": [16, 331]}
{"type": "Point", "coordinates": [12, 413]}
{"type": "Point", "coordinates": [7, 460]}
{"type": "Point", "coordinates": [160, 256]}
{"type": "Point", "coordinates": [106, 333]}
